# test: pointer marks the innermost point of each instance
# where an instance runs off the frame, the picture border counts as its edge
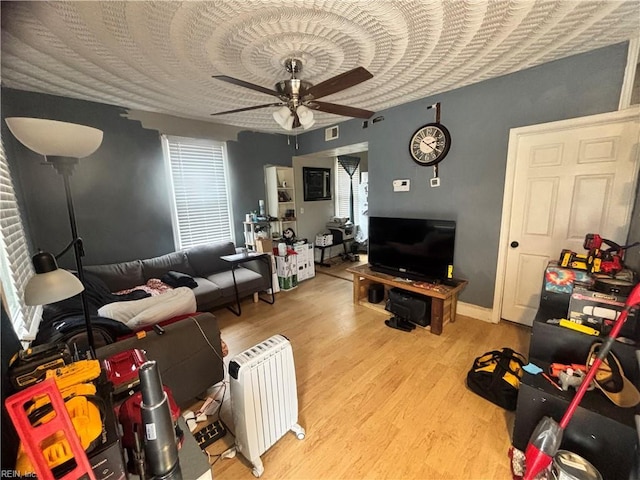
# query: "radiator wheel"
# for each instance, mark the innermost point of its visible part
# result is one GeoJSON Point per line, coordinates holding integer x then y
{"type": "Point", "coordinates": [257, 471]}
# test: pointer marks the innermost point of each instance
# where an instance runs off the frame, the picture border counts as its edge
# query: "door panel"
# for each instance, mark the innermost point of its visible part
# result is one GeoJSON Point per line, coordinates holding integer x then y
{"type": "Point", "coordinates": [528, 268]}
{"type": "Point", "coordinates": [540, 206]}
{"type": "Point", "coordinates": [567, 182]}
{"type": "Point", "coordinates": [589, 206]}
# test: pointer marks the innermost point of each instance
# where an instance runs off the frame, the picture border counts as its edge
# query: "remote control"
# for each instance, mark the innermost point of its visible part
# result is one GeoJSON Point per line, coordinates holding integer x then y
{"type": "Point", "coordinates": [210, 434]}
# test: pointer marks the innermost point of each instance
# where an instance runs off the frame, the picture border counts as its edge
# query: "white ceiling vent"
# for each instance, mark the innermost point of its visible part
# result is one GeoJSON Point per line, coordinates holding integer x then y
{"type": "Point", "coordinates": [330, 133]}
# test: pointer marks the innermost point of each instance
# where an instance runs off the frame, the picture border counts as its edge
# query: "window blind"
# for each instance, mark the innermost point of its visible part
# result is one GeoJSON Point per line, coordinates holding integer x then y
{"type": "Point", "coordinates": [343, 205]}
{"type": "Point", "coordinates": [15, 261]}
{"type": "Point", "coordinates": [200, 191]}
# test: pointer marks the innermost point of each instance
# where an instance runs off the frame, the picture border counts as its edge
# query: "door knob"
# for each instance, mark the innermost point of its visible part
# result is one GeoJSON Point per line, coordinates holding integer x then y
{"type": "Point", "coordinates": [514, 244]}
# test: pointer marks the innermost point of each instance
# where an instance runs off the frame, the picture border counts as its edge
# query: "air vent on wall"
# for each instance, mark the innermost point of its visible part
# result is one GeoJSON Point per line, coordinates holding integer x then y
{"type": "Point", "coordinates": [330, 133]}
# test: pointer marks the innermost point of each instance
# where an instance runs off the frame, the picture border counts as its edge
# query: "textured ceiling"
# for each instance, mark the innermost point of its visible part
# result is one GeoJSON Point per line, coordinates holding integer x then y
{"type": "Point", "coordinates": [160, 56]}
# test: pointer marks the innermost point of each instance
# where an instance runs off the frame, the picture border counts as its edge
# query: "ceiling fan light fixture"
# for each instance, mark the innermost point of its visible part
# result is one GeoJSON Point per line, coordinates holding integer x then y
{"type": "Point", "coordinates": [284, 118]}
{"type": "Point", "coordinates": [289, 123]}
{"type": "Point", "coordinates": [305, 114]}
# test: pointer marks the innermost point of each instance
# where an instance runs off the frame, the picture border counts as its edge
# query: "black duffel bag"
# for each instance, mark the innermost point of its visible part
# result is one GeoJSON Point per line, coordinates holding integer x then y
{"type": "Point", "coordinates": [496, 375]}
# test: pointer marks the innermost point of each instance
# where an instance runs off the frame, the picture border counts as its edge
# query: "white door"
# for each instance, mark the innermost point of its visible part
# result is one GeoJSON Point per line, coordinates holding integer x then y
{"type": "Point", "coordinates": [568, 179]}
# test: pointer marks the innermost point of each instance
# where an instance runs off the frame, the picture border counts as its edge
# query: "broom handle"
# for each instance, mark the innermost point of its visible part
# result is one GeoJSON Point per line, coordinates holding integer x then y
{"type": "Point", "coordinates": [602, 354]}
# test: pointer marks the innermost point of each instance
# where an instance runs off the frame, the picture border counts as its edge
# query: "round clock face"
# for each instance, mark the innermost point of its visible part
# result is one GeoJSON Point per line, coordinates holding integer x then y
{"type": "Point", "coordinates": [430, 144]}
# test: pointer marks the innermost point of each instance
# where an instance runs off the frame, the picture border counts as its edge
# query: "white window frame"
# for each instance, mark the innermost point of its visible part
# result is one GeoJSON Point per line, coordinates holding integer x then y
{"type": "Point", "coordinates": [341, 174]}
{"type": "Point", "coordinates": [166, 140]}
{"type": "Point", "coordinates": [15, 261]}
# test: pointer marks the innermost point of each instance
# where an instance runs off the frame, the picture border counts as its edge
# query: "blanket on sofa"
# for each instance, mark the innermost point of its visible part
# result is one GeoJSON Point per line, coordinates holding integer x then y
{"type": "Point", "coordinates": [153, 287]}
{"type": "Point", "coordinates": [137, 314]}
{"type": "Point", "coordinates": [64, 319]}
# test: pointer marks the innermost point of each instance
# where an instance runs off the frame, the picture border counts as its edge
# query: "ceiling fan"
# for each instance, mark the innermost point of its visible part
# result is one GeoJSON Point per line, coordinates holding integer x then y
{"type": "Point", "coordinates": [298, 98]}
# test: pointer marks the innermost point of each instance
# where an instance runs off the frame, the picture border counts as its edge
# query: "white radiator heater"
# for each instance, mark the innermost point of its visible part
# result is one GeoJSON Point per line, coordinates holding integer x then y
{"type": "Point", "coordinates": [264, 398]}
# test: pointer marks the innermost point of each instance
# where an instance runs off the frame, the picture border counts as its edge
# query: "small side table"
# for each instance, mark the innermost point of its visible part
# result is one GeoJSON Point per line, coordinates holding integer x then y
{"type": "Point", "coordinates": [238, 259]}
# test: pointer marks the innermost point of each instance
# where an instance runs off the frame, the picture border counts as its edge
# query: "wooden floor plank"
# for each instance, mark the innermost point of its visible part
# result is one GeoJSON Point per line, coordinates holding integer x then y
{"type": "Point", "coordinates": [376, 402]}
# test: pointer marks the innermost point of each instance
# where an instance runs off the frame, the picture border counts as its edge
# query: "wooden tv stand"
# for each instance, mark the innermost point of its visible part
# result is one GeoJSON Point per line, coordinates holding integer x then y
{"type": "Point", "coordinates": [444, 297]}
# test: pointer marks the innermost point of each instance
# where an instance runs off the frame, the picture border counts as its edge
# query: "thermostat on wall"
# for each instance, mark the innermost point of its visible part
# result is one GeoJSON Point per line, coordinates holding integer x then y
{"type": "Point", "coordinates": [401, 185]}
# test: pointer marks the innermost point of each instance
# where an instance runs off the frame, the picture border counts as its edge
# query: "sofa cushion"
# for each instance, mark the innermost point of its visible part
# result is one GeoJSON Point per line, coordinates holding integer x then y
{"type": "Point", "coordinates": [205, 259]}
{"type": "Point", "coordinates": [119, 276]}
{"type": "Point", "coordinates": [207, 293]}
{"type": "Point", "coordinates": [247, 280]}
{"type": "Point", "coordinates": [158, 266]}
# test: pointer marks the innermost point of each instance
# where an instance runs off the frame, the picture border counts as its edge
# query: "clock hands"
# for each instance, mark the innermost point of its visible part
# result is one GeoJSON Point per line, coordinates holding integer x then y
{"type": "Point", "coordinates": [431, 145]}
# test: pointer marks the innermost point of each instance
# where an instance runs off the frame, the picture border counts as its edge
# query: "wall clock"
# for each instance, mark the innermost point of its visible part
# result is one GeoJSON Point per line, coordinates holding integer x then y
{"type": "Point", "coordinates": [430, 144]}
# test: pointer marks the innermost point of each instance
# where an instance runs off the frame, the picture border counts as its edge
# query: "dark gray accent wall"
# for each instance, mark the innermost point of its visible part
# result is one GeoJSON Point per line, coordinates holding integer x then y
{"type": "Point", "coordinates": [247, 158]}
{"type": "Point", "coordinates": [120, 193]}
{"type": "Point", "coordinates": [472, 175]}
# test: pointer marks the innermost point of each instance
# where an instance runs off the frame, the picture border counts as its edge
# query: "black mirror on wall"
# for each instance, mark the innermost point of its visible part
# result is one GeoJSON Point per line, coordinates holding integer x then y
{"type": "Point", "coordinates": [316, 183]}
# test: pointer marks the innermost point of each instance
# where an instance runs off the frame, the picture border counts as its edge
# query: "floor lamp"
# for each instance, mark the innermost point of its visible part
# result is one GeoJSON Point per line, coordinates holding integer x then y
{"type": "Point", "coordinates": [350, 165]}
{"type": "Point", "coordinates": [62, 145]}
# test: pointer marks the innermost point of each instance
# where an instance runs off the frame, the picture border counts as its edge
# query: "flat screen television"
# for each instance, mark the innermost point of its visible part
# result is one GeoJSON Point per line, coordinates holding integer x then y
{"type": "Point", "coordinates": [415, 248]}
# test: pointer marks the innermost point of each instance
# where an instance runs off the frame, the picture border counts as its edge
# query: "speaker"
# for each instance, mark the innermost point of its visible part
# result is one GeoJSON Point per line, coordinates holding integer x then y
{"type": "Point", "coordinates": [376, 293]}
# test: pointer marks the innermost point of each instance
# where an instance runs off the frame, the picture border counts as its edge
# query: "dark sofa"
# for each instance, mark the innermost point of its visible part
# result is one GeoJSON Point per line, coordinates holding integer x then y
{"type": "Point", "coordinates": [64, 321]}
{"type": "Point", "coordinates": [213, 275]}
{"type": "Point", "coordinates": [188, 353]}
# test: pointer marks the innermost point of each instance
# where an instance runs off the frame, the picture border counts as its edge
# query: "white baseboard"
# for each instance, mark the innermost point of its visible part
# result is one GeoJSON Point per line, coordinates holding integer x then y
{"type": "Point", "coordinates": [475, 311]}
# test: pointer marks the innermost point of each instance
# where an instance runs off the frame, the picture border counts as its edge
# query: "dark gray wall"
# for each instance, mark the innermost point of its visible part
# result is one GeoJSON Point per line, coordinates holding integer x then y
{"type": "Point", "coordinates": [472, 175]}
{"type": "Point", "coordinates": [247, 158]}
{"type": "Point", "coordinates": [120, 192]}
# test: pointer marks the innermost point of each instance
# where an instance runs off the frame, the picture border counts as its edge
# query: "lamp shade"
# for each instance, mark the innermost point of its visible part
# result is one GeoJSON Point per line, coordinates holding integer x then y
{"type": "Point", "coordinates": [305, 114]}
{"type": "Point", "coordinates": [284, 118]}
{"type": "Point", "coordinates": [53, 138]}
{"type": "Point", "coordinates": [50, 284]}
{"type": "Point", "coordinates": [51, 287]}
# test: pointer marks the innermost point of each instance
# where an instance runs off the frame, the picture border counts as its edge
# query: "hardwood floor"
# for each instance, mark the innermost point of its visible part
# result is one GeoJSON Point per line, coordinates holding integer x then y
{"type": "Point", "coordinates": [338, 267]}
{"type": "Point", "coordinates": [375, 402]}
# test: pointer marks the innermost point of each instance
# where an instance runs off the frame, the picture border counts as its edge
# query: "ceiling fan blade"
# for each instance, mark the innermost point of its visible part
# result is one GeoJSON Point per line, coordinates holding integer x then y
{"type": "Point", "coordinates": [341, 110]}
{"type": "Point", "coordinates": [244, 84]}
{"type": "Point", "coordinates": [249, 108]}
{"type": "Point", "coordinates": [338, 83]}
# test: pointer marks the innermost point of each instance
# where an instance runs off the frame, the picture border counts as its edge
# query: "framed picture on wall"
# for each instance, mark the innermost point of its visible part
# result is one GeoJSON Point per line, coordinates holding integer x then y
{"type": "Point", "coordinates": [316, 183]}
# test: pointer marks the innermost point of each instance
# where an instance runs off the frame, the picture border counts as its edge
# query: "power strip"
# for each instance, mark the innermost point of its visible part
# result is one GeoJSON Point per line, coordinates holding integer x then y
{"type": "Point", "coordinates": [210, 434]}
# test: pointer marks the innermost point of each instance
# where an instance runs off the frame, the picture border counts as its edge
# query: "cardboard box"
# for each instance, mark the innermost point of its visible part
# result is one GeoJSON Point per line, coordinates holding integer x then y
{"type": "Point", "coordinates": [562, 279]}
{"type": "Point", "coordinates": [324, 240]}
{"type": "Point", "coordinates": [286, 268]}
{"type": "Point", "coordinates": [599, 311]}
{"type": "Point", "coordinates": [306, 267]}
{"type": "Point", "coordinates": [264, 245]}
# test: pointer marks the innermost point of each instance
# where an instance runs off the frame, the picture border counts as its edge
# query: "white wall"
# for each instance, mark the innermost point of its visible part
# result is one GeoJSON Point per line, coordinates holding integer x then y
{"type": "Point", "coordinates": [316, 214]}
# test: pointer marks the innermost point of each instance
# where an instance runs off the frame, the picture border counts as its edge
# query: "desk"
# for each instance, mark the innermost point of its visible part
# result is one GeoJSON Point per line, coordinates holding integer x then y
{"type": "Point", "coordinates": [444, 297]}
{"type": "Point", "coordinates": [323, 248]}
{"type": "Point", "coordinates": [238, 259]}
